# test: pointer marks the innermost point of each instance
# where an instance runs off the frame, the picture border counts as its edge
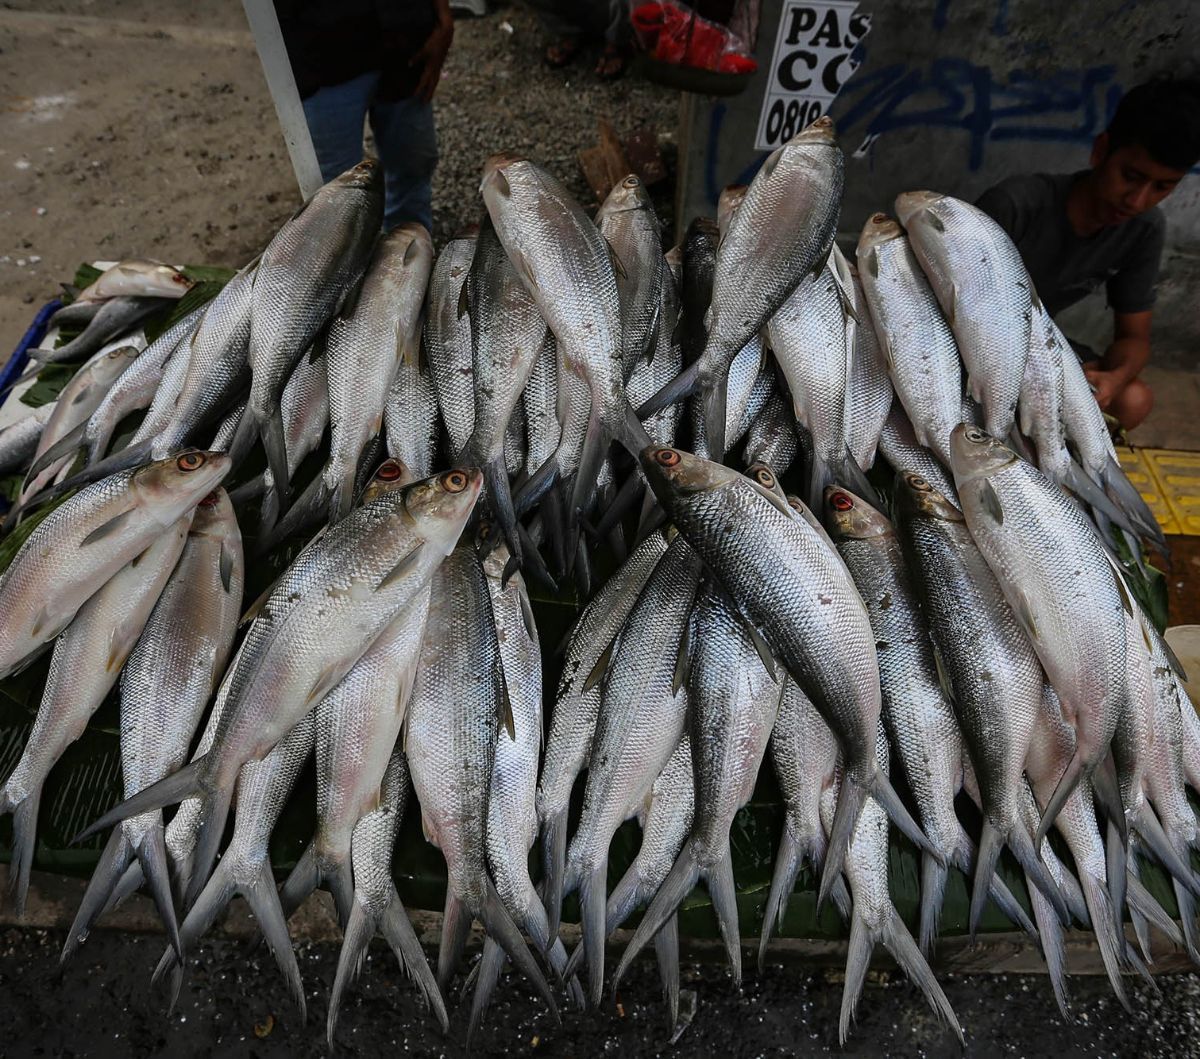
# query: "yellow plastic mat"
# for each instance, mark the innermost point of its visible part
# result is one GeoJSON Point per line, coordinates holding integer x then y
{"type": "Point", "coordinates": [1169, 480]}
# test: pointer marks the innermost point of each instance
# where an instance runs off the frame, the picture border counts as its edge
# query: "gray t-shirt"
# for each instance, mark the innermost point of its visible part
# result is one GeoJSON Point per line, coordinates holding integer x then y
{"type": "Point", "coordinates": [1066, 267]}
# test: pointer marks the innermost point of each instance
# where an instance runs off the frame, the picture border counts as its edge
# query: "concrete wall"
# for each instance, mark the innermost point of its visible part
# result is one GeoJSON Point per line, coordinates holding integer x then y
{"type": "Point", "coordinates": [956, 94]}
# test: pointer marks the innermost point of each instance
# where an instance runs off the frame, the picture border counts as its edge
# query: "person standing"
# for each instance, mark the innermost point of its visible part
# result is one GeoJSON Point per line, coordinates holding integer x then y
{"type": "Point", "coordinates": [1102, 225]}
{"type": "Point", "coordinates": [379, 61]}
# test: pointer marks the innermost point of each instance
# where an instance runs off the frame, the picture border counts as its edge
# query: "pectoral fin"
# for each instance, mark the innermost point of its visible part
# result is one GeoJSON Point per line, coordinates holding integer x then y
{"type": "Point", "coordinates": [108, 528]}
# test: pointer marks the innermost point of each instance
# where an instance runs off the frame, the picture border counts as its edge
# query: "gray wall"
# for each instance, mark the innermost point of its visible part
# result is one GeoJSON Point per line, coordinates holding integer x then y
{"type": "Point", "coordinates": [956, 94]}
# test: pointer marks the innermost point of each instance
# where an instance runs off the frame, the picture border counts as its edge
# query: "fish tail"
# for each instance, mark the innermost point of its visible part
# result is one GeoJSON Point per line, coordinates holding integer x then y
{"type": "Point", "coordinates": [1187, 917]}
{"type": "Point", "coordinates": [151, 853]}
{"type": "Point", "coordinates": [360, 928]}
{"type": "Point", "coordinates": [628, 495]}
{"type": "Point", "coordinates": [456, 924]}
{"type": "Point", "coordinates": [684, 385]}
{"type": "Point", "coordinates": [684, 875]}
{"type": "Point", "coordinates": [552, 519]}
{"type": "Point", "coordinates": [215, 896]}
{"type": "Point", "coordinates": [342, 498]}
{"type": "Point", "coordinates": [554, 858]}
{"type": "Point", "coordinates": [1116, 865]}
{"type": "Point", "coordinates": [715, 403]}
{"type": "Point", "coordinates": [651, 518]}
{"type": "Point", "coordinates": [723, 891]}
{"type": "Point", "coordinates": [313, 871]}
{"type": "Point", "coordinates": [783, 881]}
{"type": "Point", "coordinates": [560, 964]}
{"type": "Point", "coordinates": [1151, 913]}
{"type": "Point", "coordinates": [489, 968]}
{"type": "Point", "coordinates": [499, 925]}
{"type": "Point", "coordinates": [24, 841]}
{"type": "Point", "coordinates": [307, 511]}
{"type": "Point", "coordinates": [1151, 832]}
{"type": "Point", "coordinates": [583, 494]}
{"type": "Point", "coordinates": [1019, 842]}
{"type": "Point", "coordinates": [851, 797]}
{"type": "Point", "coordinates": [964, 859]}
{"type": "Point", "coordinates": [184, 783]}
{"type": "Point", "coordinates": [632, 435]}
{"type": "Point", "coordinates": [593, 904]}
{"type": "Point", "coordinates": [846, 472]}
{"type": "Point", "coordinates": [666, 949]}
{"type": "Point", "coordinates": [250, 490]}
{"type": "Point", "coordinates": [933, 889]}
{"type": "Point", "coordinates": [899, 942]}
{"type": "Point", "coordinates": [627, 895]}
{"type": "Point", "coordinates": [1126, 496]}
{"type": "Point", "coordinates": [113, 861]}
{"type": "Point", "coordinates": [990, 844]}
{"type": "Point", "coordinates": [1082, 485]}
{"type": "Point", "coordinates": [1066, 785]}
{"type": "Point", "coordinates": [126, 887]}
{"type": "Point", "coordinates": [1108, 794]}
{"type": "Point", "coordinates": [1137, 915]}
{"type": "Point", "coordinates": [885, 794]}
{"type": "Point", "coordinates": [1053, 947]}
{"type": "Point", "coordinates": [398, 931]}
{"type": "Point", "coordinates": [536, 487]}
{"type": "Point", "coordinates": [214, 810]}
{"type": "Point", "coordinates": [67, 445]}
{"type": "Point", "coordinates": [499, 493]}
{"type": "Point", "coordinates": [1104, 926]}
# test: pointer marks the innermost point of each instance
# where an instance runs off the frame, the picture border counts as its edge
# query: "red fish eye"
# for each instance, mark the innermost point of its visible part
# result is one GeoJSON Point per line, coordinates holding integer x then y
{"type": "Point", "coordinates": [667, 457]}
{"type": "Point", "coordinates": [190, 461]}
{"type": "Point", "coordinates": [841, 502]}
{"type": "Point", "coordinates": [454, 481]}
{"type": "Point", "coordinates": [388, 472]}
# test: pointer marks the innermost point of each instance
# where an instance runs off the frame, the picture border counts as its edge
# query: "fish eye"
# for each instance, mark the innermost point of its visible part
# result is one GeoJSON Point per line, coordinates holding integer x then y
{"type": "Point", "coordinates": [191, 461]}
{"type": "Point", "coordinates": [631, 182]}
{"type": "Point", "coordinates": [841, 502]}
{"type": "Point", "coordinates": [667, 457]}
{"type": "Point", "coordinates": [879, 218]}
{"type": "Point", "coordinates": [975, 434]}
{"type": "Point", "coordinates": [389, 471]}
{"type": "Point", "coordinates": [795, 505]}
{"type": "Point", "coordinates": [765, 478]}
{"type": "Point", "coordinates": [454, 481]}
{"type": "Point", "coordinates": [918, 483]}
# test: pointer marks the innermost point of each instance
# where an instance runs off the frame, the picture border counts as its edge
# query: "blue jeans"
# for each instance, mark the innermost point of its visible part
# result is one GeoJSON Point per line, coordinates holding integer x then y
{"type": "Point", "coordinates": [404, 134]}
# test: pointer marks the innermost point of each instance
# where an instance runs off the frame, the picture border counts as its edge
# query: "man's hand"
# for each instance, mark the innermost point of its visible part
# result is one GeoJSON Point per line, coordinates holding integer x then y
{"type": "Point", "coordinates": [1106, 385]}
{"type": "Point", "coordinates": [433, 54]}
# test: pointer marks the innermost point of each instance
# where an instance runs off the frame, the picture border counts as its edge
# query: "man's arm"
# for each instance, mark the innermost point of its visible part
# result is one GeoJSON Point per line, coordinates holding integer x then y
{"type": "Point", "coordinates": [433, 53]}
{"type": "Point", "coordinates": [1128, 354]}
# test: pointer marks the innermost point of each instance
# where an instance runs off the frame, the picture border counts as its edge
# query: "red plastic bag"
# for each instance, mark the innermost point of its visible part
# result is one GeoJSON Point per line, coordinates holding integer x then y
{"type": "Point", "coordinates": [672, 32]}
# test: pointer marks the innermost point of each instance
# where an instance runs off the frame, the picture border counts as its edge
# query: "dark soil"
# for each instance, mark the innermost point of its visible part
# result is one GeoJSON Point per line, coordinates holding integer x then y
{"type": "Point", "coordinates": [234, 1003]}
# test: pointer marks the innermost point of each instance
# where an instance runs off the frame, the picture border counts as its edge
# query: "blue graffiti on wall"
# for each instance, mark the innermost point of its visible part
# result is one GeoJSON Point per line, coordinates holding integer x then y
{"type": "Point", "coordinates": [1067, 106]}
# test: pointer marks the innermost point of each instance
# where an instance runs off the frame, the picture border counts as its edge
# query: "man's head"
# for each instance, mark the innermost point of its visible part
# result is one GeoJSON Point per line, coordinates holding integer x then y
{"type": "Point", "coordinates": [1148, 147]}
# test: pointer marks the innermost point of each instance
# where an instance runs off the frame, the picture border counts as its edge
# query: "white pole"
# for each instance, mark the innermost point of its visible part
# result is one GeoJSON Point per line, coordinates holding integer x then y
{"type": "Point", "coordinates": [282, 83]}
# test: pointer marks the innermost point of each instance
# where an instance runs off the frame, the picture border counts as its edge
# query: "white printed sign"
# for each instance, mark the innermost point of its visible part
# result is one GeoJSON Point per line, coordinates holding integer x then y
{"type": "Point", "coordinates": [810, 64]}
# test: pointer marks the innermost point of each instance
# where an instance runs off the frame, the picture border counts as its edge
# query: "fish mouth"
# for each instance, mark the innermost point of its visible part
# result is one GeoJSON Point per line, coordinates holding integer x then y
{"type": "Point", "coordinates": [974, 453]}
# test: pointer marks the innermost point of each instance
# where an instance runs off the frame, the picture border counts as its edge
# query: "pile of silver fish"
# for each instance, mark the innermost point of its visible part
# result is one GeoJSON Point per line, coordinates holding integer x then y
{"type": "Point", "coordinates": [547, 386]}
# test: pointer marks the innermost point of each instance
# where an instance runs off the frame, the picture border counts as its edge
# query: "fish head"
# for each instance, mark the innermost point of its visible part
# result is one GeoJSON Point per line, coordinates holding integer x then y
{"type": "Point", "coordinates": [849, 516]}
{"type": "Point", "coordinates": [879, 229]}
{"type": "Point", "coordinates": [368, 175]}
{"type": "Point", "coordinates": [917, 497]}
{"type": "Point", "coordinates": [821, 131]}
{"type": "Point", "coordinates": [672, 472]}
{"type": "Point", "coordinates": [628, 194]}
{"type": "Point", "coordinates": [762, 475]}
{"type": "Point", "coordinates": [411, 242]}
{"type": "Point", "coordinates": [192, 474]}
{"type": "Point", "coordinates": [440, 505]}
{"type": "Point", "coordinates": [123, 354]}
{"type": "Point", "coordinates": [922, 207]}
{"type": "Point", "coordinates": [391, 475]}
{"type": "Point", "coordinates": [500, 171]}
{"type": "Point", "coordinates": [214, 514]}
{"type": "Point", "coordinates": [974, 453]}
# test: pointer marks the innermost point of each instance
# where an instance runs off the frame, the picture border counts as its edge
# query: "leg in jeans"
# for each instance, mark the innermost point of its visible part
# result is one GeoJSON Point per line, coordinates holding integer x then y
{"type": "Point", "coordinates": [407, 141]}
{"type": "Point", "coordinates": [335, 122]}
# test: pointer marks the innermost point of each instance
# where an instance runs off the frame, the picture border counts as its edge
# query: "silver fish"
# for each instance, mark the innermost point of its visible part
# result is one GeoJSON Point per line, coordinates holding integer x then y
{"type": "Point", "coordinates": [319, 619]}
{"type": "Point", "coordinates": [793, 589]}
{"type": "Point", "coordinates": [904, 452]}
{"type": "Point", "coordinates": [586, 660]}
{"type": "Point", "coordinates": [728, 201]}
{"type": "Point", "coordinates": [782, 231]}
{"type": "Point", "coordinates": [448, 339]}
{"type": "Point", "coordinates": [869, 390]}
{"type": "Point", "coordinates": [916, 713]}
{"type": "Point", "coordinates": [19, 440]}
{"type": "Point", "coordinates": [734, 701]}
{"type": "Point", "coordinates": [1061, 586]}
{"type": "Point", "coordinates": [917, 342]}
{"type": "Point", "coordinates": [772, 437]}
{"type": "Point", "coordinates": [641, 720]}
{"type": "Point", "coordinates": [454, 721]}
{"type": "Point", "coordinates": [628, 221]}
{"type": "Point", "coordinates": [304, 278]}
{"type": "Point", "coordinates": [78, 547]}
{"type": "Point", "coordinates": [377, 905]}
{"type": "Point", "coordinates": [137, 276]}
{"type": "Point", "coordinates": [542, 429]}
{"type": "Point", "coordinates": [874, 918]}
{"type": "Point", "coordinates": [410, 419]}
{"type": "Point", "coordinates": [116, 317]}
{"type": "Point", "coordinates": [985, 292]}
{"type": "Point", "coordinates": [165, 685]}
{"type": "Point", "coordinates": [86, 663]}
{"type": "Point", "coordinates": [365, 345]}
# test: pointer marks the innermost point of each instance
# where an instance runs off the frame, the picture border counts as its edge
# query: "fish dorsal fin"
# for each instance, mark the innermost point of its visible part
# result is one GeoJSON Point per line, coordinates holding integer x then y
{"type": "Point", "coordinates": [843, 280]}
{"type": "Point", "coordinates": [683, 663]}
{"type": "Point", "coordinates": [328, 679]}
{"type": "Point", "coordinates": [225, 565]}
{"type": "Point", "coordinates": [934, 221]}
{"type": "Point", "coordinates": [408, 346]}
{"type": "Point", "coordinates": [952, 308]}
{"type": "Point", "coordinates": [107, 529]}
{"type": "Point", "coordinates": [872, 262]}
{"type": "Point", "coordinates": [761, 646]}
{"type": "Point", "coordinates": [527, 616]}
{"type": "Point", "coordinates": [990, 501]}
{"type": "Point", "coordinates": [943, 674]}
{"type": "Point", "coordinates": [1024, 613]}
{"type": "Point", "coordinates": [349, 300]}
{"type": "Point", "coordinates": [464, 298]}
{"type": "Point", "coordinates": [885, 343]}
{"type": "Point", "coordinates": [403, 566]}
{"type": "Point", "coordinates": [596, 673]}
{"type": "Point", "coordinates": [615, 259]}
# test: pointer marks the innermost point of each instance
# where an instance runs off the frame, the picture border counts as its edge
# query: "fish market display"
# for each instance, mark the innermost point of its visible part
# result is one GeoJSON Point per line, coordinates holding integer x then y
{"type": "Point", "coordinates": [586, 530]}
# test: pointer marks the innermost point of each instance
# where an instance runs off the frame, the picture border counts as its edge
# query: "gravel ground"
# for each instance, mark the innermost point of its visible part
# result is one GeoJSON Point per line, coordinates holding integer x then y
{"type": "Point", "coordinates": [234, 1004]}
